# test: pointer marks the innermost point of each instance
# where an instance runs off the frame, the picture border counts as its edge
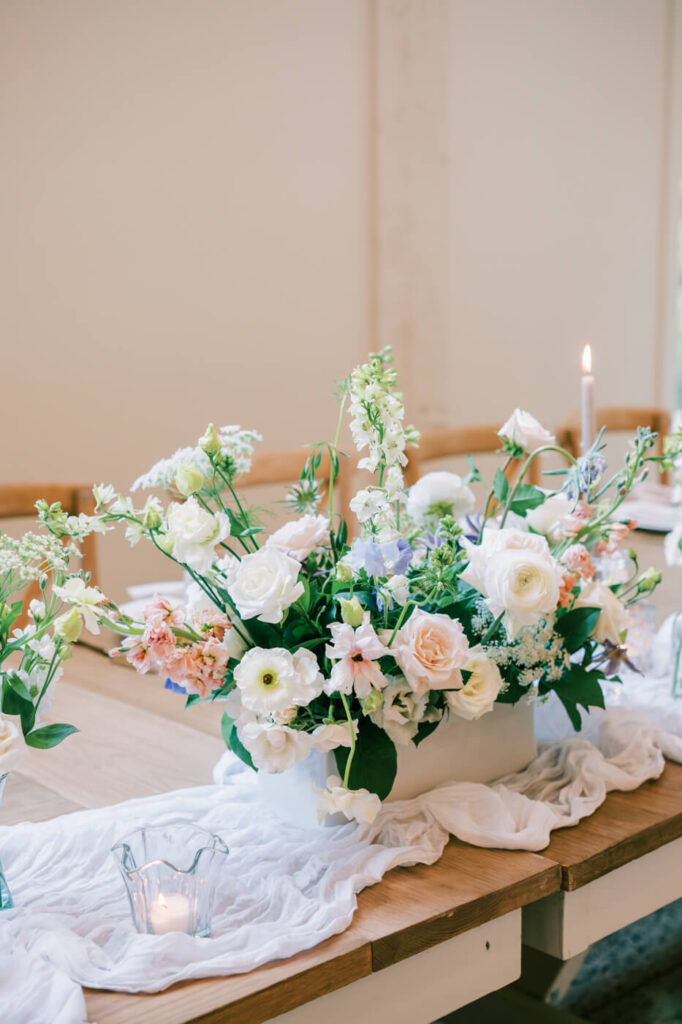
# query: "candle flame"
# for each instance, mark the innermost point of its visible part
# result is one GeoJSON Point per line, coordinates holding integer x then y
{"type": "Point", "coordinates": [587, 359]}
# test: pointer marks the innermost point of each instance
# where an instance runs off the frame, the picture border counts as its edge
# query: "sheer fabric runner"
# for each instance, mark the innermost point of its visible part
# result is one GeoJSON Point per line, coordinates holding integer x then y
{"type": "Point", "coordinates": [286, 890]}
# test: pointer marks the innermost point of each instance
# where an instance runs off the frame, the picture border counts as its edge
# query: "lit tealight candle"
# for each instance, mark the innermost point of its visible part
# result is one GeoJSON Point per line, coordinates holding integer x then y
{"type": "Point", "coordinates": [587, 418]}
{"type": "Point", "coordinates": [169, 912]}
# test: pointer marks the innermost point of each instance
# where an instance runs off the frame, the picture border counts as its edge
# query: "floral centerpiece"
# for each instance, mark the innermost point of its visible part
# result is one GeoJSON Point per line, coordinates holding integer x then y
{"type": "Point", "coordinates": [317, 642]}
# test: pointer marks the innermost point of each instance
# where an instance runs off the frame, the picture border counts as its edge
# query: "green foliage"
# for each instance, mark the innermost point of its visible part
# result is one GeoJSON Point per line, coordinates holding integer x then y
{"type": "Point", "coordinates": [375, 762]}
{"type": "Point", "coordinates": [576, 626]}
{"type": "Point", "coordinates": [526, 497]}
{"type": "Point", "coordinates": [500, 486]}
{"type": "Point", "coordinates": [49, 735]}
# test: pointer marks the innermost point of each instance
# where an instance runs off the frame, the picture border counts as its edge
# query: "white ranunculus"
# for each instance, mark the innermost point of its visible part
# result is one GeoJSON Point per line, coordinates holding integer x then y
{"type": "Point", "coordinates": [546, 518]}
{"type": "Point", "coordinates": [402, 711]}
{"type": "Point", "coordinates": [329, 737]}
{"type": "Point", "coordinates": [301, 536]}
{"type": "Point", "coordinates": [359, 804]}
{"type": "Point", "coordinates": [517, 575]}
{"type": "Point", "coordinates": [612, 619]}
{"type": "Point", "coordinates": [477, 696]}
{"type": "Point", "coordinates": [524, 430]}
{"type": "Point", "coordinates": [437, 494]}
{"type": "Point", "coordinates": [274, 748]}
{"type": "Point", "coordinates": [671, 547]}
{"type": "Point", "coordinates": [273, 679]}
{"type": "Point", "coordinates": [12, 746]}
{"type": "Point", "coordinates": [194, 533]}
{"type": "Point", "coordinates": [264, 584]}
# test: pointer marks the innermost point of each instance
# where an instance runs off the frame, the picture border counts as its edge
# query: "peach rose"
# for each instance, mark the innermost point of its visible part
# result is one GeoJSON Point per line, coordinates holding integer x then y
{"type": "Point", "coordinates": [431, 650]}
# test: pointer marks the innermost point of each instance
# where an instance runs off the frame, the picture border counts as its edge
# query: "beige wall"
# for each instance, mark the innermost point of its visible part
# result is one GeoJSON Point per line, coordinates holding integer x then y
{"type": "Point", "coordinates": [211, 208]}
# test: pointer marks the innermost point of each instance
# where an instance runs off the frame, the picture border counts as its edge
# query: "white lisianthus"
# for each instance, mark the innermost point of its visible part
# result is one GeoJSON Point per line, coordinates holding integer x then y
{"type": "Point", "coordinates": [431, 650]}
{"type": "Point", "coordinates": [264, 584]}
{"type": "Point", "coordinates": [478, 695]}
{"type": "Point", "coordinates": [358, 804]}
{"type": "Point", "coordinates": [524, 430]}
{"type": "Point", "coordinates": [194, 533]}
{"type": "Point", "coordinates": [300, 537]}
{"type": "Point", "coordinates": [402, 711]}
{"type": "Point", "coordinates": [399, 588]}
{"type": "Point", "coordinates": [335, 734]}
{"type": "Point", "coordinates": [437, 494]}
{"type": "Point", "coordinates": [547, 518]}
{"type": "Point", "coordinates": [12, 746]}
{"type": "Point", "coordinates": [517, 575]}
{"type": "Point", "coordinates": [612, 619]}
{"type": "Point", "coordinates": [274, 748]}
{"type": "Point", "coordinates": [86, 600]}
{"type": "Point", "coordinates": [274, 680]}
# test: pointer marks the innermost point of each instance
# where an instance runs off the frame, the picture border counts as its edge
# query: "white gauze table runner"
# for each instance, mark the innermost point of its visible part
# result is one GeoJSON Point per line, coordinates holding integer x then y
{"type": "Point", "coordinates": [283, 889]}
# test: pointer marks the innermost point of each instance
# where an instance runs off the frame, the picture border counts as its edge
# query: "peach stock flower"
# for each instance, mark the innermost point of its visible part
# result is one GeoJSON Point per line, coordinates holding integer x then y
{"type": "Point", "coordinates": [578, 560]}
{"type": "Point", "coordinates": [431, 650]}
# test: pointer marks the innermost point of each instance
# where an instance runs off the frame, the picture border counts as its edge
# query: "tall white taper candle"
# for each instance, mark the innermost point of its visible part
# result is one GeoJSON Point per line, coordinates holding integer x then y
{"type": "Point", "coordinates": [587, 415]}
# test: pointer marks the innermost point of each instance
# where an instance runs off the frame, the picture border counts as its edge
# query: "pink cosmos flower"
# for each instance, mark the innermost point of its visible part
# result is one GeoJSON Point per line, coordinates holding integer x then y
{"type": "Point", "coordinates": [355, 652]}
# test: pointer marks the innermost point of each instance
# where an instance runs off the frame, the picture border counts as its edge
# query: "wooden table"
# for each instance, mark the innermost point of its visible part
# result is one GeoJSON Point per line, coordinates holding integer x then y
{"type": "Point", "coordinates": [424, 941]}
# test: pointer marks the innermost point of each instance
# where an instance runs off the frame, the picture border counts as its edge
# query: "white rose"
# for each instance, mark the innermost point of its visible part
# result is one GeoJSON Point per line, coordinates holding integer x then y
{"type": "Point", "coordinates": [300, 537]}
{"type": "Point", "coordinates": [546, 518]}
{"type": "Point", "coordinates": [264, 584]}
{"type": "Point", "coordinates": [437, 494]}
{"type": "Point", "coordinates": [274, 748]}
{"type": "Point", "coordinates": [402, 711]}
{"type": "Point", "coordinates": [524, 430]}
{"type": "Point", "coordinates": [612, 619]}
{"type": "Point", "coordinates": [194, 533]}
{"type": "Point", "coordinates": [12, 745]}
{"type": "Point", "coordinates": [516, 573]}
{"type": "Point", "coordinates": [431, 650]}
{"type": "Point", "coordinates": [477, 696]}
{"type": "Point", "coordinates": [359, 804]}
{"type": "Point", "coordinates": [274, 680]}
{"type": "Point", "coordinates": [329, 737]}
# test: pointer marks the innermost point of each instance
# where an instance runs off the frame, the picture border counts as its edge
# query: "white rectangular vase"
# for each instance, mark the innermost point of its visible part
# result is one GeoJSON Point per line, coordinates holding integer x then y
{"type": "Point", "coordinates": [497, 744]}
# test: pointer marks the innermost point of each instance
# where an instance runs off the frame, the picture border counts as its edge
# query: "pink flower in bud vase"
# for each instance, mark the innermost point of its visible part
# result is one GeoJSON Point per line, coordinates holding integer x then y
{"type": "Point", "coordinates": [355, 652]}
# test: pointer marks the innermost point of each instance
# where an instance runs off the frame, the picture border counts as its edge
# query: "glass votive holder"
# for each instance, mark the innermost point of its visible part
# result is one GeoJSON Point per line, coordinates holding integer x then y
{"type": "Point", "coordinates": [170, 872]}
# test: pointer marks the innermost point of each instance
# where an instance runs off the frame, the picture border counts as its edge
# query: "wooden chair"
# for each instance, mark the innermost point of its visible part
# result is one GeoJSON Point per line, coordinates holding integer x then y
{"type": "Point", "coordinates": [452, 441]}
{"type": "Point", "coordinates": [621, 418]}
{"type": "Point", "coordinates": [284, 467]}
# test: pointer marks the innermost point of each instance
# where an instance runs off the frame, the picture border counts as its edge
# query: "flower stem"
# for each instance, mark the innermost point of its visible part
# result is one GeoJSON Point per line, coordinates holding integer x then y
{"type": "Point", "coordinates": [351, 753]}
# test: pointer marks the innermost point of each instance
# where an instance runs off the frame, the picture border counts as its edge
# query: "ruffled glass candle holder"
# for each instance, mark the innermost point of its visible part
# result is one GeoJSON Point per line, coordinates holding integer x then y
{"type": "Point", "coordinates": [5, 895]}
{"type": "Point", "coordinates": [170, 873]}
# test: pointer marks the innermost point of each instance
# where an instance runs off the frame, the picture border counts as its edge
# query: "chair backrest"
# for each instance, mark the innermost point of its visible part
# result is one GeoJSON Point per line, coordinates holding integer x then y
{"type": "Point", "coordinates": [284, 467]}
{"type": "Point", "coordinates": [453, 441]}
{"type": "Point", "coordinates": [19, 500]}
{"type": "Point", "coordinates": [621, 418]}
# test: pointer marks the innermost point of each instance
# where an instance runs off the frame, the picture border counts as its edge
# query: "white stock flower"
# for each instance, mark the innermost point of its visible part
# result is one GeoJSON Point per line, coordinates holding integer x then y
{"type": "Point", "coordinates": [524, 430]}
{"type": "Point", "coordinates": [264, 584]}
{"type": "Point", "coordinates": [44, 647]}
{"type": "Point", "coordinates": [402, 711]}
{"type": "Point", "coordinates": [273, 679]}
{"type": "Point", "coordinates": [547, 518]}
{"type": "Point", "coordinates": [517, 575]}
{"type": "Point", "coordinates": [85, 599]}
{"type": "Point", "coordinates": [431, 650]}
{"type": "Point", "coordinates": [336, 734]}
{"type": "Point", "coordinates": [358, 804]}
{"type": "Point", "coordinates": [12, 746]}
{"type": "Point", "coordinates": [300, 537]}
{"type": "Point", "coordinates": [274, 748]}
{"type": "Point", "coordinates": [437, 494]}
{"type": "Point", "coordinates": [478, 695]}
{"type": "Point", "coordinates": [194, 533]}
{"type": "Point", "coordinates": [612, 620]}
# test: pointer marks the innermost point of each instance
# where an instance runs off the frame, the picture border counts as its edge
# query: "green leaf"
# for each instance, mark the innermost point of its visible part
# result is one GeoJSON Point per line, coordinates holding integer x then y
{"type": "Point", "coordinates": [12, 704]}
{"type": "Point", "coordinates": [582, 687]}
{"type": "Point", "coordinates": [19, 687]}
{"type": "Point", "coordinates": [237, 747]}
{"type": "Point", "coordinates": [424, 729]}
{"type": "Point", "coordinates": [226, 724]}
{"type": "Point", "coordinates": [576, 626]}
{"type": "Point", "coordinates": [572, 712]}
{"type": "Point", "coordinates": [500, 486]}
{"type": "Point", "coordinates": [527, 497]}
{"type": "Point", "coordinates": [49, 735]}
{"type": "Point", "coordinates": [375, 762]}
